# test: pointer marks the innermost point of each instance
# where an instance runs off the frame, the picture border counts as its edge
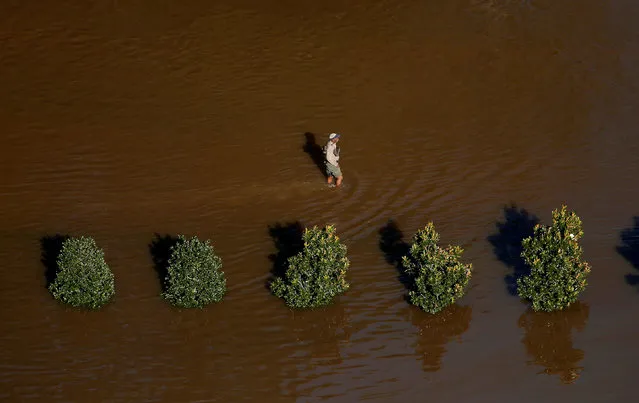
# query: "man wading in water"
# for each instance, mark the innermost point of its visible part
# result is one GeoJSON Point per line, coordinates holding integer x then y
{"type": "Point", "coordinates": [331, 150]}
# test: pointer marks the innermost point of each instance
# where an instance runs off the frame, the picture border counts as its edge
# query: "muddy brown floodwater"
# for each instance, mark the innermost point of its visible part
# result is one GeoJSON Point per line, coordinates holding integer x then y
{"type": "Point", "coordinates": [123, 120]}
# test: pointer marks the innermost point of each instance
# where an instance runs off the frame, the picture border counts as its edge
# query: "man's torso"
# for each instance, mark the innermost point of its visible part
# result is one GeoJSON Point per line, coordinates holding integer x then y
{"type": "Point", "coordinates": [331, 151]}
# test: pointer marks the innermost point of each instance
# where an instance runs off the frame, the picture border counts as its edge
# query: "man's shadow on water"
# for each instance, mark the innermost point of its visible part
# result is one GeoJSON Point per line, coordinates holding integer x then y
{"type": "Point", "coordinates": [315, 151]}
{"type": "Point", "coordinates": [394, 248]}
{"type": "Point", "coordinates": [51, 246]}
{"type": "Point", "coordinates": [518, 224]}
{"type": "Point", "coordinates": [288, 242]}
{"type": "Point", "coordinates": [160, 250]}
{"type": "Point", "coordinates": [629, 249]}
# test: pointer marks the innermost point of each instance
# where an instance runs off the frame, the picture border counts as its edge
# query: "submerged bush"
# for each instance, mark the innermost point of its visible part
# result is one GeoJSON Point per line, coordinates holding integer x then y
{"type": "Point", "coordinates": [437, 275]}
{"type": "Point", "coordinates": [557, 271]}
{"type": "Point", "coordinates": [316, 274]}
{"type": "Point", "coordinates": [83, 278]}
{"type": "Point", "coordinates": [194, 274]}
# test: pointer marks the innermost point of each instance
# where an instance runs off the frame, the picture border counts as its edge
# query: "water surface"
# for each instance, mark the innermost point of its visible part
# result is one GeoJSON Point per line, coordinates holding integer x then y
{"type": "Point", "coordinates": [123, 120]}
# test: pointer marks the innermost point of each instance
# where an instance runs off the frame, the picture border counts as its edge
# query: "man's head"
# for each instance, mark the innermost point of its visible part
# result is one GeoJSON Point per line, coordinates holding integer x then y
{"type": "Point", "coordinates": [334, 137]}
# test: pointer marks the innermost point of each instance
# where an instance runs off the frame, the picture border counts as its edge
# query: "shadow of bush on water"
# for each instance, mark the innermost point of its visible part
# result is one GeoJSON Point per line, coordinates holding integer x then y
{"type": "Point", "coordinates": [315, 151]}
{"type": "Point", "coordinates": [51, 246]}
{"type": "Point", "coordinates": [438, 330]}
{"type": "Point", "coordinates": [394, 248]}
{"type": "Point", "coordinates": [629, 249]}
{"type": "Point", "coordinates": [518, 224]}
{"type": "Point", "coordinates": [548, 340]}
{"type": "Point", "coordinates": [288, 242]}
{"type": "Point", "coordinates": [160, 250]}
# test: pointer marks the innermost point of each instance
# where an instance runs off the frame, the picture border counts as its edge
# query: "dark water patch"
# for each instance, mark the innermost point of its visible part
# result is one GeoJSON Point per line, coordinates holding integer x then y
{"type": "Point", "coordinates": [288, 242]}
{"type": "Point", "coordinates": [160, 250]}
{"type": "Point", "coordinates": [394, 248]}
{"type": "Point", "coordinates": [629, 249]}
{"type": "Point", "coordinates": [51, 246]}
{"type": "Point", "coordinates": [315, 151]}
{"type": "Point", "coordinates": [548, 340]}
{"type": "Point", "coordinates": [436, 331]}
{"type": "Point", "coordinates": [320, 333]}
{"type": "Point", "coordinates": [518, 225]}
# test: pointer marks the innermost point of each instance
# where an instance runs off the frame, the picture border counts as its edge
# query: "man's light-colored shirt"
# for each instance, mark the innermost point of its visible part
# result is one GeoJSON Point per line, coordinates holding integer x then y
{"type": "Point", "coordinates": [332, 153]}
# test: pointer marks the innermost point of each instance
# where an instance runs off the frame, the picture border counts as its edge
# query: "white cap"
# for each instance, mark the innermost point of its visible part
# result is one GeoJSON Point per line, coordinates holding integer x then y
{"type": "Point", "coordinates": [333, 136]}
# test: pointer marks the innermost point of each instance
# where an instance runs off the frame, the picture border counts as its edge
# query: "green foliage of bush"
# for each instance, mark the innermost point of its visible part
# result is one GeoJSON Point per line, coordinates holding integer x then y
{"type": "Point", "coordinates": [557, 271]}
{"type": "Point", "coordinates": [316, 274]}
{"type": "Point", "coordinates": [438, 276]}
{"type": "Point", "coordinates": [194, 274]}
{"type": "Point", "coordinates": [83, 278]}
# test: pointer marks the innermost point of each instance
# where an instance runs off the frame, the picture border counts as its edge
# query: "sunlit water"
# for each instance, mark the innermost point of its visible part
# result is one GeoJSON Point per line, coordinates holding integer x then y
{"type": "Point", "coordinates": [126, 120]}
